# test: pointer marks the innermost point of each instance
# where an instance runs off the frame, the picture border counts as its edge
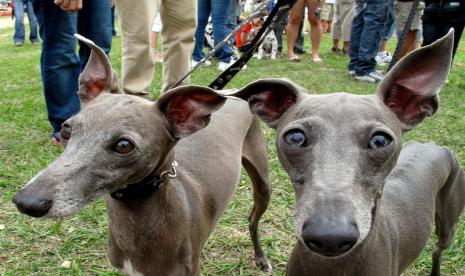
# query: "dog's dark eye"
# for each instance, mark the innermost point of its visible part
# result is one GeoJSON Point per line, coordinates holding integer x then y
{"type": "Point", "coordinates": [295, 138]}
{"type": "Point", "coordinates": [379, 140]}
{"type": "Point", "coordinates": [65, 132]}
{"type": "Point", "coordinates": [123, 146]}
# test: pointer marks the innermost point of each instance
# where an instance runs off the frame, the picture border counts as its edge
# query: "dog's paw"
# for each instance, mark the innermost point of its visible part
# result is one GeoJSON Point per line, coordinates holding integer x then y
{"type": "Point", "coordinates": [263, 264]}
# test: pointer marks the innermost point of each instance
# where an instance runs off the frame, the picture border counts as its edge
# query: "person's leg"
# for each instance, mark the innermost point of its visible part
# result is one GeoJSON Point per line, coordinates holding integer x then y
{"type": "Point", "coordinates": [278, 30]}
{"type": "Point", "coordinates": [458, 30]}
{"type": "Point", "coordinates": [179, 17]}
{"type": "Point", "coordinates": [18, 37]}
{"type": "Point", "coordinates": [219, 15]}
{"type": "Point", "coordinates": [94, 22]}
{"type": "Point", "coordinates": [203, 12]}
{"type": "Point", "coordinates": [408, 43]}
{"type": "Point", "coordinates": [113, 29]}
{"type": "Point", "coordinates": [371, 36]}
{"type": "Point", "coordinates": [137, 65]}
{"type": "Point", "coordinates": [347, 25]}
{"type": "Point", "coordinates": [316, 30]}
{"type": "Point", "coordinates": [33, 35]}
{"type": "Point", "coordinates": [336, 28]}
{"type": "Point", "coordinates": [59, 62]}
{"type": "Point", "coordinates": [295, 18]}
{"type": "Point", "coordinates": [231, 22]}
{"type": "Point", "coordinates": [299, 42]}
{"type": "Point", "coordinates": [358, 23]}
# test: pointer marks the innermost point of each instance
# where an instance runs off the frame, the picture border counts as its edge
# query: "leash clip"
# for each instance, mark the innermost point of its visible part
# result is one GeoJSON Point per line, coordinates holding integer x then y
{"type": "Point", "coordinates": [172, 173]}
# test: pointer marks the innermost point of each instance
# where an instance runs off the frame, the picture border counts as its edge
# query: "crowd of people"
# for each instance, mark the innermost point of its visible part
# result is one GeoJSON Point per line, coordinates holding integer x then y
{"type": "Point", "coordinates": [359, 29]}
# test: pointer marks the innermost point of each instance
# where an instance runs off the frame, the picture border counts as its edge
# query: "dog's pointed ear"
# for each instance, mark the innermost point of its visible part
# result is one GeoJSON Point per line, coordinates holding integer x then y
{"type": "Point", "coordinates": [98, 75]}
{"type": "Point", "coordinates": [270, 98]}
{"type": "Point", "coordinates": [187, 109]}
{"type": "Point", "coordinates": [412, 86]}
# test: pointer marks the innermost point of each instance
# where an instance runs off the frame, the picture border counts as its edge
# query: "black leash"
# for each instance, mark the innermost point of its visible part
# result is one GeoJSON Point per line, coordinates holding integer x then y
{"type": "Point", "coordinates": [281, 7]}
{"type": "Point", "coordinates": [403, 36]}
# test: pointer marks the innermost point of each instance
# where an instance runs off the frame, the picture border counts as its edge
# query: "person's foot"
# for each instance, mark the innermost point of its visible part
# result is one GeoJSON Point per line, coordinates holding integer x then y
{"type": "Point", "coordinates": [56, 139]}
{"type": "Point", "coordinates": [335, 50]}
{"type": "Point", "coordinates": [194, 63]}
{"type": "Point", "coordinates": [222, 66]}
{"type": "Point", "coordinates": [279, 55]}
{"type": "Point", "coordinates": [301, 52]}
{"type": "Point", "coordinates": [294, 59]}
{"type": "Point", "coordinates": [351, 73]}
{"type": "Point", "coordinates": [316, 58]}
{"type": "Point", "coordinates": [34, 42]}
{"type": "Point", "coordinates": [19, 43]}
{"type": "Point", "coordinates": [383, 58]}
{"type": "Point", "coordinates": [372, 77]}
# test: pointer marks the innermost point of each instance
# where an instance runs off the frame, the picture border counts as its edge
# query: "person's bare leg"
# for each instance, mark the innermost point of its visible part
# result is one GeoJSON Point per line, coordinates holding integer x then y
{"type": "Point", "coordinates": [295, 17]}
{"type": "Point", "coordinates": [316, 30]}
{"type": "Point", "coordinates": [409, 41]}
{"type": "Point", "coordinates": [336, 43]}
{"type": "Point", "coordinates": [383, 45]}
{"type": "Point", "coordinates": [153, 45]}
{"type": "Point", "coordinates": [345, 48]}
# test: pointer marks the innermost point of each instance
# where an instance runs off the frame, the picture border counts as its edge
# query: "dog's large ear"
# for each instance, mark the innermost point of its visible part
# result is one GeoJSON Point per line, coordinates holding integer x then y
{"type": "Point", "coordinates": [98, 75]}
{"type": "Point", "coordinates": [270, 98]}
{"type": "Point", "coordinates": [187, 109]}
{"type": "Point", "coordinates": [411, 88]}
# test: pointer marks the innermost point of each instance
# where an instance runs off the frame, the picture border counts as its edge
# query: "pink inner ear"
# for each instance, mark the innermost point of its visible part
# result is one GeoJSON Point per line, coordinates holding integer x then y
{"type": "Point", "coordinates": [93, 88]}
{"type": "Point", "coordinates": [409, 106]}
{"type": "Point", "coordinates": [417, 80]}
{"type": "Point", "coordinates": [271, 106]}
{"type": "Point", "coordinates": [180, 109]}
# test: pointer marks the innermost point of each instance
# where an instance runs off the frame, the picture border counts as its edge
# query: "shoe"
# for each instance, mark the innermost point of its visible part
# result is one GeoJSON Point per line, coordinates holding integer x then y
{"type": "Point", "coordinates": [352, 73]}
{"type": "Point", "coordinates": [383, 58]}
{"type": "Point", "coordinates": [34, 42]}
{"type": "Point", "coordinates": [194, 63]}
{"type": "Point", "coordinates": [317, 60]}
{"type": "Point", "coordinates": [371, 77]}
{"type": "Point", "coordinates": [19, 43]}
{"type": "Point", "coordinates": [56, 139]}
{"type": "Point", "coordinates": [294, 59]}
{"type": "Point", "coordinates": [301, 52]}
{"type": "Point", "coordinates": [335, 50]}
{"type": "Point", "coordinates": [222, 66]}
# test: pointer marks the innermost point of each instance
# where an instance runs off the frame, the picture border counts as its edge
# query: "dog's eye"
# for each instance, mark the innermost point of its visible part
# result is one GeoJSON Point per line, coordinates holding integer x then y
{"type": "Point", "coordinates": [65, 132]}
{"type": "Point", "coordinates": [123, 146]}
{"type": "Point", "coordinates": [379, 140]}
{"type": "Point", "coordinates": [295, 138]}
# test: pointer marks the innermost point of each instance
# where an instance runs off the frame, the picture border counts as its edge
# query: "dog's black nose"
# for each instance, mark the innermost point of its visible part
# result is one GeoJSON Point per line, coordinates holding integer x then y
{"type": "Point", "coordinates": [32, 205]}
{"type": "Point", "coordinates": [330, 236]}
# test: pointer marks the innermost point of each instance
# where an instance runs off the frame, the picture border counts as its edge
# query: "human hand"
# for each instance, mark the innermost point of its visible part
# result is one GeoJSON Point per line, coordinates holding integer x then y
{"type": "Point", "coordinates": [69, 5]}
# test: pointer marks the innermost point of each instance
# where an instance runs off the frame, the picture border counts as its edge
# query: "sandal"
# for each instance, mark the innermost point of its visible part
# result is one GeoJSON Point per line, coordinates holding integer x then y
{"type": "Point", "coordinates": [317, 60]}
{"type": "Point", "coordinates": [294, 59]}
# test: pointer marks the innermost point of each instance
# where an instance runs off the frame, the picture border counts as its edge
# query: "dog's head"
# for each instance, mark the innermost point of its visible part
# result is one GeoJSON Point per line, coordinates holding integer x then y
{"type": "Point", "coordinates": [114, 141]}
{"type": "Point", "coordinates": [339, 148]}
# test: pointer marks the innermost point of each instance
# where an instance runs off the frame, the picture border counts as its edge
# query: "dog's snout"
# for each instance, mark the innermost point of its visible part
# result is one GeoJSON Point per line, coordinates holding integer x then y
{"type": "Point", "coordinates": [32, 205]}
{"type": "Point", "coordinates": [330, 236]}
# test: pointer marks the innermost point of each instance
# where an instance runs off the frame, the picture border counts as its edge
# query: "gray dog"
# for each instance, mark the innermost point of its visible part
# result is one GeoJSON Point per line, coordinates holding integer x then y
{"type": "Point", "coordinates": [365, 204]}
{"type": "Point", "coordinates": [124, 148]}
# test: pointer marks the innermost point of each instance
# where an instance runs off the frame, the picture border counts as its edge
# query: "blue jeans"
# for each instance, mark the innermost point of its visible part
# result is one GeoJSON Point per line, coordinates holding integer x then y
{"type": "Point", "coordinates": [60, 65]}
{"type": "Point", "coordinates": [19, 36]}
{"type": "Point", "coordinates": [389, 25]}
{"type": "Point", "coordinates": [219, 12]}
{"type": "Point", "coordinates": [366, 35]}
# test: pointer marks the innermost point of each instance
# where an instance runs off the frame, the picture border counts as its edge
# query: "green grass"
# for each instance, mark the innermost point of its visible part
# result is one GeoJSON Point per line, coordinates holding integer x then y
{"type": "Point", "coordinates": [38, 247]}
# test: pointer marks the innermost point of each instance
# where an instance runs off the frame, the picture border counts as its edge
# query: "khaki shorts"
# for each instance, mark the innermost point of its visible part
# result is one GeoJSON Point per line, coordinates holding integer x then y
{"type": "Point", "coordinates": [402, 11]}
{"type": "Point", "coordinates": [327, 13]}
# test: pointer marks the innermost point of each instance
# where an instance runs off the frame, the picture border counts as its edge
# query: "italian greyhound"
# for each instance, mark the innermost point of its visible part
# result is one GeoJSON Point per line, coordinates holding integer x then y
{"type": "Point", "coordinates": [124, 148]}
{"type": "Point", "coordinates": [365, 204]}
